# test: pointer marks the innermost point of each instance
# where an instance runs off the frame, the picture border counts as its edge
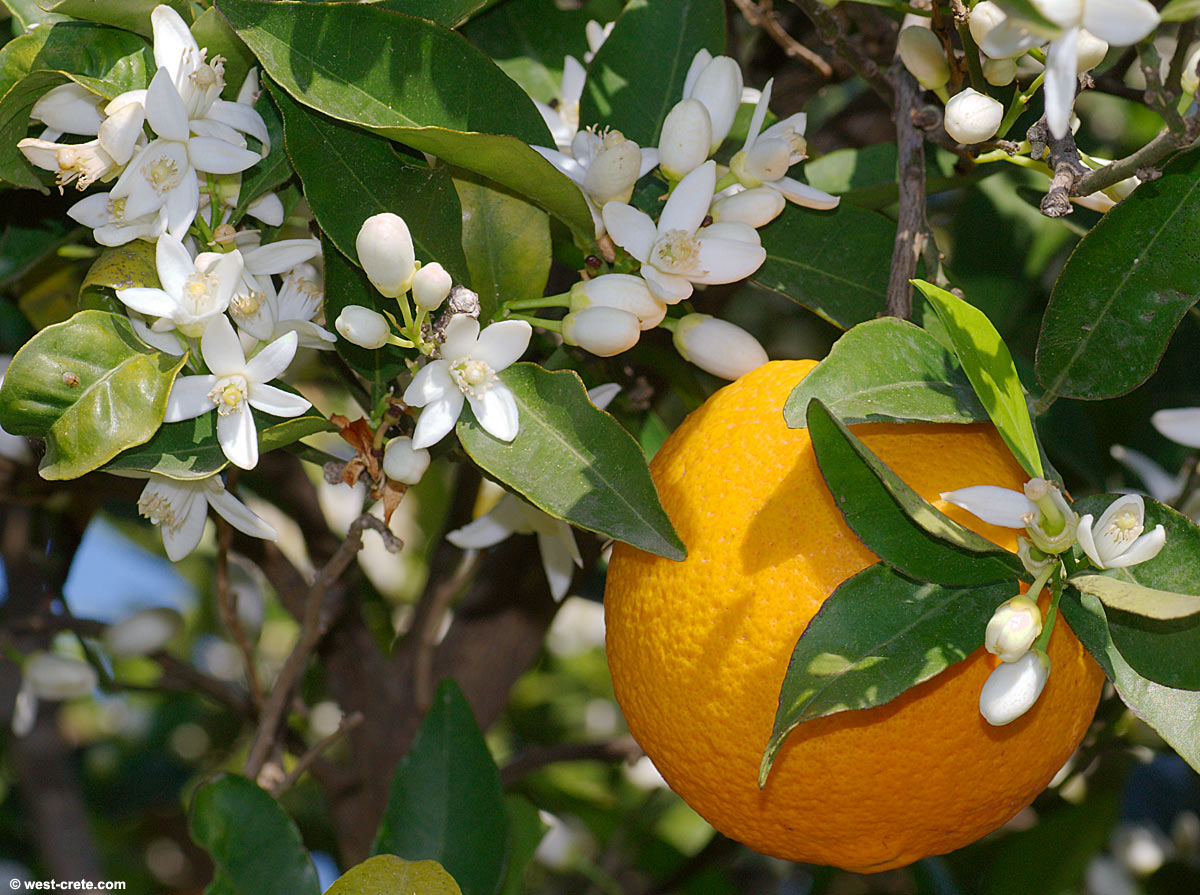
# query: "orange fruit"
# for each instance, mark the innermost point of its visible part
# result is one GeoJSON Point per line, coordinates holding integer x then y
{"type": "Point", "coordinates": [698, 649]}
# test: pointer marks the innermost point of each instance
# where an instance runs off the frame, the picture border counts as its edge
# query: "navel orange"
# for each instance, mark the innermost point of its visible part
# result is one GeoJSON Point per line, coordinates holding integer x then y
{"type": "Point", "coordinates": [698, 649]}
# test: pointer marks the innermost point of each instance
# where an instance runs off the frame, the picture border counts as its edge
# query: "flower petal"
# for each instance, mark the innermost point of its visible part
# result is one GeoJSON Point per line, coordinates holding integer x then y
{"type": "Point", "coordinates": [569, 166]}
{"type": "Point", "coordinates": [241, 117]}
{"type": "Point", "coordinates": [1180, 424]}
{"type": "Point", "coordinates": [1161, 484]}
{"type": "Point", "coordinates": [218, 157]}
{"type": "Point", "coordinates": [432, 383]}
{"type": "Point", "coordinates": [181, 205]}
{"type": "Point", "coordinates": [667, 288]}
{"type": "Point", "coordinates": [1083, 534]}
{"type": "Point", "coordinates": [631, 229]}
{"type": "Point", "coordinates": [182, 539]}
{"type": "Point", "coordinates": [1144, 548]}
{"type": "Point", "coordinates": [726, 260]}
{"type": "Point", "coordinates": [461, 334]}
{"type": "Point", "coordinates": [238, 514]}
{"type": "Point", "coordinates": [189, 397]}
{"type": "Point", "coordinates": [164, 108]}
{"type": "Point", "coordinates": [175, 265]}
{"type": "Point", "coordinates": [574, 74]}
{"type": "Point", "coordinates": [502, 343]}
{"type": "Point", "coordinates": [172, 39]}
{"type": "Point", "coordinates": [1120, 22]}
{"type": "Point", "coordinates": [997, 506]}
{"type": "Point", "coordinates": [486, 531]}
{"type": "Point", "coordinates": [272, 360]}
{"type": "Point", "coordinates": [146, 300]}
{"type": "Point", "coordinates": [558, 560]}
{"type": "Point", "coordinates": [804, 195]}
{"type": "Point", "coordinates": [238, 437]}
{"type": "Point", "coordinates": [437, 419]}
{"type": "Point", "coordinates": [760, 114]}
{"type": "Point", "coordinates": [1060, 82]}
{"type": "Point", "coordinates": [688, 204]}
{"type": "Point", "coordinates": [1107, 537]}
{"type": "Point", "coordinates": [276, 401]}
{"type": "Point", "coordinates": [496, 411]}
{"type": "Point", "coordinates": [281, 256]}
{"type": "Point", "coordinates": [120, 132]}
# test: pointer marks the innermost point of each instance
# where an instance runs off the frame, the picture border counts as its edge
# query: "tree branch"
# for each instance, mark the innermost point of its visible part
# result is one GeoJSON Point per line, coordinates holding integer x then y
{"type": "Point", "coordinates": [536, 757]}
{"type": "Point", "coordinates": [910, 225]}
{"type": "Point", "coordinates": [762, 16]}
{"type": "Point", "coordinates": [830, 31]}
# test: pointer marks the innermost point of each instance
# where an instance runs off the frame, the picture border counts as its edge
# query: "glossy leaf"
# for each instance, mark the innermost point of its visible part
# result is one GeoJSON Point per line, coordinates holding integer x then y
{"type": "Point", "coordinates": [526, 831]}
{"type": "Point", "coordinates": [25, 240]}
{"type": "Point", "coordinates": [528, 40]}
{"type": "Point", "coordinates": [255, 846]}
{"type": "Point", "coordinates": [387, 874]}
{"type": "Point", "coordinates": [445, 802]}
{"type": "Point", "coordinates": [119, 267]}
{"type": "Point", "coordinates": [866, 177]}
{"type": "Point", "coordinates": [1173, 713]}
{"type": "Point", "coordinates": [835, 263]}
{"type": "Point", "coordinates": [637, 76]}
{"type": "Point", "coordinates": [876, 636]}
{"type": "Point", "coordinates": [886, 370]}
{"type": "Point", "coordinates": [90, 388]}
{"type": "Point", "coordinates": [1124, 289]}
{"type": "Point", "coordinates": [410, 81]}
{"type": "Point", "coordinates": [28, 15]}
{"type": "Point", "coordinates": [1131, 597]}
{"type": "Point", "coordinates": [449, 13]}
{"type": "Point", "coordinates": [506, 241]}
{"type": "Point", "coordinates": [573, 461]}
{"type": "Point", "coordinates": [349, 175]}
{"type": "Point", "coordinates": [272, 171]}
{"type": "Point", "coordinates": [894, 521]}
{"type": "Point", "coordinates": [213, 34]}
{"type": "Point", "coordinates": [129, 15]}
{"type": "Point", "coordinates": [986, 360]}
{"type": "Point", "coordinates": [1167, 651]}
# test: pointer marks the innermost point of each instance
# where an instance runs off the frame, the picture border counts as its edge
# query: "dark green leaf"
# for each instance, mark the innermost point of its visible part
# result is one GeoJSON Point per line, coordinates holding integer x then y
{"type": "Point", "coordinates": [129, 15]}
{"type": "Point", "coordinates": [506, 241]}
{"type": "Point", "coordinates": [867, 177]}
{"type": "Point", "coordinates": [886, 370]}
{"type": "Point", "coordinates": [389, 875]}
{"type": "Point", "coordinates": [876, 636]}
{"type": "Point", "coordinates": [1167, 651]}
{"type": "Point", "coordinates": [411, 81]}
{"type": "Point", "coordinates": [637, 76]}
{"type": "Point", "coordinates": [272, 171]}
{"type": "Point", "coordinates": [448, 13]}
{"type": "Point", "coordinates": [213, 34]}
{"type": "Point", "coordinates": [349, 175]}
{"type": "Point", "coordinates": [90, 388]}
{"type": "Point", "coordinates": [255, 846]}
{"type": "Point", "coordinates": [527, 831]}
{"type": "Point", "coordinates": [26, 240]}
{"type": "Point", "coordinates": [1124, 290]}
{"type": "Point", "coordinates": [445, 802]}
{"type": "Point", "coordinates": [574, 461]}
{"type": "Point", "coordinates": [1130, 597]}
{"type": "Point", "coordinates": [835, 263]}
{"type": "Point", "coordinates": [1174, 713]}
{"type": "Point", "coordinates": [989, 366]}
{"type": "Point", "coordinates": [894, 521]}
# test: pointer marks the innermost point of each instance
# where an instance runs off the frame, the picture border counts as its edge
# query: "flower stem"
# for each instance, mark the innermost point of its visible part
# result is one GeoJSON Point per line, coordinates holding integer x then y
{"type": "Point", "coordinates": [1043, 640]}
{"type": "Point", "coordinates": [562, 300]}
{"type": "Point", "coordinates": [669, 324]}
{"type": "Point", "coordinates": [554, 326]}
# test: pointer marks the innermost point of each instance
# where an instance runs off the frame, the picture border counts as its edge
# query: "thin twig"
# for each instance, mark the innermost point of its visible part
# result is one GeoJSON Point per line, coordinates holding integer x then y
{"type": "Point", "coordinates": [941, 27]}
{"type": "Point", "coordinates": [910, 225]}
{"type": "Point", "coordinates": [1066, 167]}
{"type": "Point", "coordinates": [763, 16]}
{"type": "Point", "coordinates": [1183, 45]}
{"type": "Point", "coordinates": [306, 760]}
{"type": "Point", "coordinates": [830, 31]}
{"type": "Point", "coordinates": [962, 25]}
{"type": "Point", "coordinates": [535, 757]}
{"type": "Point", "coordinates": [430, 621]}
{"type": "Point", "coordinates": [227, 609]}
{"type": "Point", "coordinates": [1149, 156]}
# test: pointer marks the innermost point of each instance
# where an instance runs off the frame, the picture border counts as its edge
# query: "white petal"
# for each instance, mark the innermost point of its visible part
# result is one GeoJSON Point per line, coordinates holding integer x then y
{"type": "Point", "coordinates": [796, 123]}
{"type": "Point", "coordinates": [206, 127]}
{"type": "Point", "coordinates": [239, 515]}
{"type": "Point", "coordinates": [727, 260]}
{"type": "Point", "coordinates": [759, 116]}
{"type": "Point", "coordinates": [146, 300]}
{"type": "Point", "coordinates": [997, 506]}
{"type": "Point", "coordinates": [437, 419]}
{"type": "Point", "coordinates": [486, 531]}
{"type": "Point", "coordinates": [175, 265]}
{"type": "Point", "coordinates": [699, 63]}
{"type": "Point", "coordinates": [502, 343]}
{"type": "Point", "coordinates": [1144, 548]}
{"type": "Point", "coordinates": [558, 561]}
{"type": "Point", "coordinates": [91, 211]}
{"type": "Point", "coordinates": [732, 230]}
{"type": "Point", "coordinates": [182, 203]}
{"type": "Point", "coordinates": [496, 411]}
{"type": "Point", "coordinates": [631, 229]}
{"type": "Point", "coordinates": [181, 541]}
{"type": "Point", "coordinates": [569, 166]}
{"type": "Point", "coordinates": [688, 204]}
{"type": "Point", "coordinates": [1012, 689]}
{"type": "Point", "coordinates": [164, 109]}
{"type": "Point", "coordinates": [1161, 484]}
{"type": "Point", "coordinates": [667, 288]}
{"type": "Point", "coordinates": [189, 398]}
{"type": "Point", "coordinates": [602, 395]}
{"type": "Point", "coordinates": [275, 401]}
{"type": "Point", "coordinates": [1009, 39]}
{"type": "Point", "coordinates": [221, 348]}
{"type": "Point", "coordinates": [574, 74]}
{"type": "Point", "coordinates": [164, 342]}
{"type": "Point", "coordinates": [1104, 535]}
{"type": "Point", "coordinates": [461, 334]}
{"type": "Point", "coordinates": [120, 132]}
{"type": "Point", "coordinates": [69, 108]}
{"type": "Point", "coordinates": [172, 39]}
{"type": "Point", "coordinates": [804, 195]}
{"type": "Point", "coordinates": [1180, 424]}
{"type": "Point", "coordinates": [267, 208]}
{"type": "Point", "coordinates": [432, 383]}
{"type": "Point", "coordinates": [1120, 22]}
{"type": "Point", "coordinates": [1083, 534]}
{"type": "Point", "coordinates": [242, 118]}
{"type": "Point", "coordinates": [218, 157]}
{"type": "Point", "coordinates": [239, 438]}
{"type": "Point", "coordinates": [272, 360]}
{"type": "Point", "coordinates": [1060, 82]}
{"type": "Point", "coordinates": [281, 256]}
{"type": "Point", "coordinates": [649, 161]}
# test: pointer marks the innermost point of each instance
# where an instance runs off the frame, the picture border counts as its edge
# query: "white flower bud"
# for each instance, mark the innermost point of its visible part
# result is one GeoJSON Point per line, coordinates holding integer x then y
{"type": "Point", "coordinates": [1090, 53]}
{"type": "Point", "coordinates": [1013, 687]}
{"type": "Point", "coordinates": [385, 251]}
{"type": "Point", "coordinates": [764, 162]}
{"type": "Point", "coordinates": [1013, 628]}
{"type": "Point", "coordinates": [719, 87]}
{"type": "Point", "coordinates": [600, 330]}
{"type": "Point", "coordinates": [717, 346]}
{"type": "Point", "coordinates": [686, 136]}
{"type": "Point", "coordinates": [362, 326]}
{"type": "Point", "coordinates": [985, 16]}
{"type": "Point", "coordinates": [614, 169]}
{"type": "Point", "coordinates": [430, 286]}
{"type": "Point", "coordinates": [972, 117]}
{"type": "Point", "coordinates": [999, 72]}
{"type": "Point", "coordinates": [923, 55]}
{"type": "Point", "coordinates": [730, 230]}
{"type": "Point", "coordinates": [622, 291]}
{"type": "Point", "coordinates": [1189, 80]}
{"type": "Point", "coordinates": [756, 207]}
{"type": "Point", "coordinates": [143, 632]}
{"type": "Point", "coordinates": [56, 677]}
{"type": "Point", "coordinates": [403, 463]}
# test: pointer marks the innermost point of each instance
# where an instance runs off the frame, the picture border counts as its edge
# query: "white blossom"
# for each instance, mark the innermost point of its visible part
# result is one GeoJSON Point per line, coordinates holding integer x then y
{"type": "Point", "coordinates": [404, 463]}
{"type": "Point", "coordinates": [385, 251]}
{"type": "Point", "coordinates": [683, 143]}
{"type": "Point", "coordinates": [562, 118]}
{"type": "Point", "coordinates": [144, 632]}
{"type": "Point", "coordinates": [603, 331]}
{"type": "Point", "coordinates": [431, 284]}
{"type": "Point", "coordinates": [717, 346]}
{"type": "Point", "coordinates": [1013, 628]}
{"type": "Point", "coordinates": [1116, 539]}
{"type": "Point", "coordinates": [972, 117]}
{"type": "Point", "coordinates": [715, 82]}
{"type": "Point", "coordinates": [1013, 688]}
{"type": "Point", "coordinates": [923, 55]}
{"type": "Point", "coordinates": [106, 218]}
{"type": "Point", "coordinates": [362, 326]}
{"type": "Point", "coordinates": [180, 507]}
{"type": "Point", "coordinates": [596, 34]}
{"type": "Point", "coordinates": [623, 291]}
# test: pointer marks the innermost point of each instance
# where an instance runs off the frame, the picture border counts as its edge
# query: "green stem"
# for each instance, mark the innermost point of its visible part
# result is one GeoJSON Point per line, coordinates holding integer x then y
{"type": "Point", "coordinates": [1043, 640]}
{"type": "Point", "coordinates": [1020, 101]}
{"type": "Point", "coordinates": [555, 326]}
{"type": "Point", "coordinates": [405, 312]}
{"type": "Point", "coordinates": [562, 300]}
{"type": "Point", "coordinates": [669, 323]}
{"type": "Point", "coordinates": [725, 182]}
{"type": "Point", "coordinates": [402, 343]}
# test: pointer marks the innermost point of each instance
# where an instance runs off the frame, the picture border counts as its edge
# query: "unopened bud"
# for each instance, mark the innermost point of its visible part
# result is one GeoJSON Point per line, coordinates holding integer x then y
{"type": "Point", "coordinates": [143, 632]}
{"type": "Point", "coordinates": [56, 677]}
{"type": "Point", "coordinates": [999, 72]}
{"type": "Point", "coordinates": [1013, 628]}
{"type": "Point", "coordinates": [1013, 687]}
{"type": "Point", "coordinates": [623, 291]}
{"type": "Point", "coordinates": [923, 55]}
{"type": "Point", "coordinates": [972, 117]}
{"type": "Point", "coordinates": [600, 330]}
{"type": "Point", "coordinates": [719, 88]}
{"type": "Point", "coordinates": [985, 16]}
{"type": "Point", "coordinates": [363, 326]}
{"type": "Point", "coordinates": [1090, 53]}
{"type": "Point", "coordinates": [430, 286]}
{"type": "Point", "coordinates": [756, 207]}
{"type": "Point", "coordinates": [685, 140]}
{"type": "Point", "coordinates": [402, 462]}
{"type": "Point", "coordinates": [614, 170]}
{"type": "Point", "coordinates": [718, 346]}
{"type": "Point", "coordinates": [385, 251]}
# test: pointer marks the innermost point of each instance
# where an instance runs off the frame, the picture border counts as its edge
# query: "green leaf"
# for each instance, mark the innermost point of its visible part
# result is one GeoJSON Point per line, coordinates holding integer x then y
{"type": "Point", "coordinates": [445, 801]}
{"type": "Point", "coordinates": [90, 388]}
{"type": "Point", "coordinates": [28, 15]}
{"type": "Point", "coordinates": [424, 86]}
{"type": "Point", "coordinates": [274, 170]}
{"type": "Point", "coordinates": [989, 366]}
{"type": "Point", "coordinates": [527, 831]}
{"type": "Point", "coordinates": [573, 461]}
{"type": "Point", "coordinates": [119, 267]}
{"type": "Point", "coordinates": [1131, 597]}
{"type": "Point", "coordinates": [835, 263]}
{"type": "Point", "coordinates": [507, 243]}
{"type": "Point", "coordinates": [894, 521]}
{"type": "Point", "coordinates": [255, 846]}
{"type": "Point", "coordinates": [1124, 289]}
{"type": "Point", "coordinates": [1167, 651]}
{"type": "Point", "coordinates": [27, 238]}
{"type": "Point", "coordinates": [213, 34]}
{"type": "Point", "coordinates": [877, 635]}
{"type": "Point", "coordinates": [389, 875]}
{"type": "Point", "coordinates": [887, 370]}
{"type": "Point", "coordinates": [1180, 10]}
{"type": "Point", "coordinates": [1173, 713]}
{"type": "Point", "coordinates": [349, 175]}
{"type": "Point", "coordinates": [866, 177]}
{"type": "Point", "coordinates": [637, 76]}
{"type": "Point", "coordinates": [129, 15]}
{"type": "Point", "coordinates": [448, 13]}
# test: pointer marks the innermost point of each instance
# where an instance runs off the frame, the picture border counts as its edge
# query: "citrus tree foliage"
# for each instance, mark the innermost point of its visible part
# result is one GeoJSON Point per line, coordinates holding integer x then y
{"type": "Point", "coordinates": [459, 268]}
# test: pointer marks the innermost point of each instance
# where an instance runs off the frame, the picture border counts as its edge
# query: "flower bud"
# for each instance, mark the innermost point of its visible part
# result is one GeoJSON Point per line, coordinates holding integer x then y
{"type": "Point", "coordinates": [923, 55]}
{"type": "Point", "coordinates": [402, 462]}
{"type": "Point", "coordinates": [362, 326]}
{"type": "Point", "coordinates": [756, 207]}
{"type": "Point", "coordinates": [1013, 628]}
{"type": "Point", "coordinates": [985, 16]}
{"type": "Point", "coordinates": [622, 291]}
{"type": "Point", "coordinates": [972, 117]}
{"type": "Point", "coordinates": [718, 346]}
{"type": "Point", "coordinates": [719, 88]}
{"type": "Point", "coordinates": [385, 251]}
{"type": "Point", "coordinates": [1033, 559]}
{"type": "Point", "coordinates": [614, 169]}
{"type": "Point", "coordinates": [999, 72]}
{"type": "Point", "coordinates": [685, 140]}
{"type": "Point", "coordinates": [56, 677]}
{"type": "Point", "coordinates": [764, 162]}
{"type": "Point", "coordinates": [735, 230]}
{"type": "Point", "coordinates": [1090, 53]}
{"type": "Point", "coordinates": [600, 330]}
{"type": "Point", "coordinates": [430, 286]}
{"type": "Point", "coordinates": [1013, 687]}
{"type": "Point", "coordinates": [143, 632]}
